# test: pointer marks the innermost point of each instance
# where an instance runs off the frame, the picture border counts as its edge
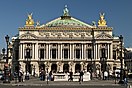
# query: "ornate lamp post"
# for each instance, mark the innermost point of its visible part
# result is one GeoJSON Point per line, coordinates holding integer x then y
{"type": "Point", "coordinates": [6, 66]}
{"type": "Point", "coordinates": [7, 42]}
{"type": "Point", "coordinates": [121, 60]}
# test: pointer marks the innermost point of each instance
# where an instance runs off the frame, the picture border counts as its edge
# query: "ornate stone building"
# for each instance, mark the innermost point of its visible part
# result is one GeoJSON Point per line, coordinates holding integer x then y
{"type": "Point", "coordinates": [67, 44]}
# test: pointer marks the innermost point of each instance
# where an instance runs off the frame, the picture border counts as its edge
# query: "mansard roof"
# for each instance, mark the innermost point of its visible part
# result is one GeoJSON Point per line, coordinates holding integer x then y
{"type": "Point", "coordinates": [67, 21]}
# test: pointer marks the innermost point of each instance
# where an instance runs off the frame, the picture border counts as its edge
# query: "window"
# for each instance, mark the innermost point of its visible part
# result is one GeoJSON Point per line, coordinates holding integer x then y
{"type": "Point", "coordinates": [89, 52]}
{"type": "Point", "coordinates": [53, 53]}
{"type": "Point", "coordinates": [114, 55]}
{"type": "Point", "coordinates": [103, 53]}
{"type": "Point", "coordinates": [65, 53]}
{"type": "Point", "coordinates": [77, 53]}
{"type": "Point", "coordinates": [28, 53]}
{"type": "Point", "coordinates": [41, 53]}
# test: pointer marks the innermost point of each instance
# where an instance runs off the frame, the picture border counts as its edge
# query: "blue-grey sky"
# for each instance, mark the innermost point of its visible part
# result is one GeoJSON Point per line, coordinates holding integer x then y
{"type": "Point", "coordinates": [118, 14]}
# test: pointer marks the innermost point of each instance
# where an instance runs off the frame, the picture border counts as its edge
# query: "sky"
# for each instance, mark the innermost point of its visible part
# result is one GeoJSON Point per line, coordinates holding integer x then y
{"type": "Point", "coordinates": [118, 14]}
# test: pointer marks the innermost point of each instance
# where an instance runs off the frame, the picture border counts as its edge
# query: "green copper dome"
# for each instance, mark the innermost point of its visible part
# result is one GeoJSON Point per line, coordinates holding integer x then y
{"type": "Point", "coordinates": [66, 21]}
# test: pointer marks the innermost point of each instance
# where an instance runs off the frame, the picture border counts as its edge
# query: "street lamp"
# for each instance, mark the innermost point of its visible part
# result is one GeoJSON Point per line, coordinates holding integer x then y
{"type": "Point", "coordinates": [7, 42]}
{"type": "Point", "coordinates": [121, 60]}
{"type": "Point", "coordinates": [6, 66]}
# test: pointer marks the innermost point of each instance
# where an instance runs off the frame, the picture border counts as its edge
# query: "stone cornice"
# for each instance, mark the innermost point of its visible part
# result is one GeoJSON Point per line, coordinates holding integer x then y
{"type": "Point", "coordinates": [63, 28]}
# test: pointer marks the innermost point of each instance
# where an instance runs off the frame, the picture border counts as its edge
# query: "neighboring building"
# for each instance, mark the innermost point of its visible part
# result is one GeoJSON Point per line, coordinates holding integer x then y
{"type": "Point", "coordinates": [66, 44]}
{"type": "Point", "coordinates": [128, 59]}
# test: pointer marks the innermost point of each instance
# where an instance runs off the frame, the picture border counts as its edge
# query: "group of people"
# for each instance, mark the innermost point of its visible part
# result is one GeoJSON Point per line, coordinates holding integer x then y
{"type": "Point", "coordinates": [81, 73]}
{"type": "Point", "coordinates": [43, 75]}
{"type": "Point", "coordinates": [19, 76]}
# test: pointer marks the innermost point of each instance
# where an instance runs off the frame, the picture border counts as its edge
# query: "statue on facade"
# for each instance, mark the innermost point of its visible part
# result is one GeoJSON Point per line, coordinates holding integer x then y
{"type": "Point", "coordinates": [65, 11]}
{"type": "Point", "coordinates": [102, 21]}
{"type": "Point", "coordinates": [29, 21]}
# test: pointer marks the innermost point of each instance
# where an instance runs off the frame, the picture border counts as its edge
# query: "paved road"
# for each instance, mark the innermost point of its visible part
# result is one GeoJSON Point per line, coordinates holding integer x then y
{"type": "Point", "coordinates": [36, 83]}
{"type": "Point", "coordinates": [61, 86]}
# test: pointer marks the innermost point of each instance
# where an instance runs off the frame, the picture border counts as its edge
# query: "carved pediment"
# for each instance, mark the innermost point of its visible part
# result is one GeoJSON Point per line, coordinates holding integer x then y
{"type": "Point", "coordinates": [28, 36]}
{"type": "Point", "coordinates": [103, 36]}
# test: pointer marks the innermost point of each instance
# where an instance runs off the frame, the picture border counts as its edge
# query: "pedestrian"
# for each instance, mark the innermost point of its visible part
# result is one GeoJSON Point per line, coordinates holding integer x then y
{"type": "Point", "coordinates": [50, 75]}
{"type": "Point", "coordinates": [15, 76]}
{"type": "Point", "coordinates": [105, 75]}
{"type": "Point", "coordinates": [42, 75]}
{"type": "Point", "coordinates": [71, 78]}
{"type": "Point", "coordinates": [20, 78]}
{"type": "Point", "coordinates": [81, 76]}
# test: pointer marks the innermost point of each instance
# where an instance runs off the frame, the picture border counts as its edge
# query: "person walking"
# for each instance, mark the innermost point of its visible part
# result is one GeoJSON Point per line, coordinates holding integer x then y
{"type": "Point", "coordinates": [71, 78]}
{"type": "Point", "coordinates": [81, 77]}
{"type": "Point", "coordinates": [15, 76]}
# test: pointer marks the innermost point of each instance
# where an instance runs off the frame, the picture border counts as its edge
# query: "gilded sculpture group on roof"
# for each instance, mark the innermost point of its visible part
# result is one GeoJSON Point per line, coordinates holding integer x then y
{"type": "Point", "coordinates": [29, 20]}
{"type": "Point", "coordinates": [102, 21]}
{"type": "Point", "coordinates": [66, 21]}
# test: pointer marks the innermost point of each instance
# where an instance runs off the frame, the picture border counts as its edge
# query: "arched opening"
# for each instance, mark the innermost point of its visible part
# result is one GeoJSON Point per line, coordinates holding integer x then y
{"type": "Point", "coordinates": [54, 68]}
{"type": "Point", "coordinates": [28, 68]}
{"type": "Point", "coordinates": [42, 67]}
{"type": "Point", "coordinates": [66, 68]}
{"type": "Point", "coordinates": [89, 68]}
{"type": "Point", "coordinates": [77, 68]}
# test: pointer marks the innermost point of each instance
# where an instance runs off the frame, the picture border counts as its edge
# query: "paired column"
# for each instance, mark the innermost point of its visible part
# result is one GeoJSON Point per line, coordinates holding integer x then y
{"type": "Point", "coordinates": [82, 51]}
{"type": "Point", "coordinates": [111, 51]}
{"type": "Point", "coordinates": [108, 52]}
{"type": "Point", "coordinates": [70, 51]}
{"type": "Point", "coordinates": [47, 51]}
{"type": "Point", "coordinates": [23, 51]}
{"type": "Point", "coordinates": [20, 51]}
{"type": "Point", "coordinates": [61, 52]}
{"type": "Point", "coordinates": [36, 51]}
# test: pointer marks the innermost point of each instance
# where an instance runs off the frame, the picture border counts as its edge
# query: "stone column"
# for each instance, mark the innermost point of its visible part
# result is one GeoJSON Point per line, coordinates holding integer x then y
{"type": "Point", "coordinates": [73, 67]}
{"type": "Point", "coordinates": [23, 51]}
{"type": "Point", "coordinates": [36, 51]}
{"type": "Point", "coordinates": [96, 50]}
{"type": "Point", "coordinates": [111, 51]}
{"type": "Point", "coordinates": [82, 54]}
{"type": "Point", "coordinates": [108, 52]}
{"type": "Point", "coordinates": [61, 52]}
{"type": "Point", "coordinates": [20, 51]}
{"type": "Point", "coordinates": [70, 51]}
{"type": "Point", "coordinates": [73, 52]}
{"type": "Point", "coordinates": [49, 52]}
{"type": "Point", "coordinates": [33, 51]}
{"type": "Point", "coordinates": [84, 51]}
